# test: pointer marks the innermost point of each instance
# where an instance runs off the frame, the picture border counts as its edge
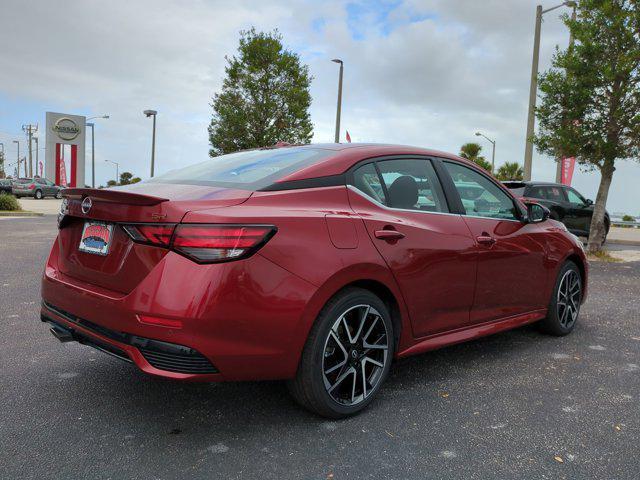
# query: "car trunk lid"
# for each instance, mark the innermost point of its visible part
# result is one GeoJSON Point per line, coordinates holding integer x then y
{"type": "Point", "coordinates": [127, 263]}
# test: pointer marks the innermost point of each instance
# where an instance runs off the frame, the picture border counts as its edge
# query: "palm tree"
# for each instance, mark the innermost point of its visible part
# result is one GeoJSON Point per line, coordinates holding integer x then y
{"type": "Point", "coordinates": [510, 171]}
{"type": "Point", "coordinates": [471, 151]}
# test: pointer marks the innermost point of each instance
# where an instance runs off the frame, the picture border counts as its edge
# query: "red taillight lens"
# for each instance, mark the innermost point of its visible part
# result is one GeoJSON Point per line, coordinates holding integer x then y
{"type": "Point", "coordinates": [151, 234]}
{"type": "Point", "coordinates": [32, 186]}
{"type": "Point", "coordinates": [220, 243]}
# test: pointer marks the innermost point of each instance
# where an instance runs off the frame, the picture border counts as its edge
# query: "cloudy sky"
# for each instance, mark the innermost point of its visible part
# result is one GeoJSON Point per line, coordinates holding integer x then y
{"type": "Point", "coordinates": [418, 72]}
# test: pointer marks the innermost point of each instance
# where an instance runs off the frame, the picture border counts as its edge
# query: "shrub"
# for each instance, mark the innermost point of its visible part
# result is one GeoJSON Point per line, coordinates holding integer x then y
{"type": "Point", "coordinates": [9, 202]}
{"type": "Point", "coordinates": [628, 218]}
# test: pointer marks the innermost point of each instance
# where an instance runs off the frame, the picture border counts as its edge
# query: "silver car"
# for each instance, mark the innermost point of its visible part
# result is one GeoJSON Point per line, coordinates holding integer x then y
{"type": "Point", "coordinates": [36, 187]}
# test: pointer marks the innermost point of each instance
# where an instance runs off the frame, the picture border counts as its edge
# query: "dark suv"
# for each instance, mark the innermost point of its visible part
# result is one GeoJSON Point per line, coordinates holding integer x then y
{"type": "Point", "coordinates": [36, 187]}
{"type": "Point", "coordinates": [566, 204]}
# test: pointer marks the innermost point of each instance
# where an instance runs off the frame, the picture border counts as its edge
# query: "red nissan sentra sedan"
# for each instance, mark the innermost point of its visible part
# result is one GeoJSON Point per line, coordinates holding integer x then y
{"type": "Point", "coordinates": [318, 264]}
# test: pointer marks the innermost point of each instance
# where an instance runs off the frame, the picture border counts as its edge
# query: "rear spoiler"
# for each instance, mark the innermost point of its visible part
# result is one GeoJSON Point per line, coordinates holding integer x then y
{"type": "Point", "coordinates": [112, 196]}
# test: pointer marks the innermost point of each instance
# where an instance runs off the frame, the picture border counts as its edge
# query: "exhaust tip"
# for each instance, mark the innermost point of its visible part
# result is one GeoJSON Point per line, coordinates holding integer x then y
{"type": "Point", "coordinates": [62, 334]}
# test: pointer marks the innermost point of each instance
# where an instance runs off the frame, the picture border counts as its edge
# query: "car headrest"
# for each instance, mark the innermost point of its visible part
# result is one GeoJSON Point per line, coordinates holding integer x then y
{"type": "Point", "coordinates": [403, 192]}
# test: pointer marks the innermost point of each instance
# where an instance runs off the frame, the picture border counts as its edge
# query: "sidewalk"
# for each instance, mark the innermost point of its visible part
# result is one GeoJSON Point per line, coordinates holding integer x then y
{"type": "Point", "coordinates": [624, 236]}
{"type": "Point", "coordinates": [46, 206]}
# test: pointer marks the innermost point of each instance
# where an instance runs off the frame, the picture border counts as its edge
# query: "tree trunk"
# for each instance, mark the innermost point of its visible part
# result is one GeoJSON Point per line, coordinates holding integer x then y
{"type": "Point", "coordinates": [597, 230]}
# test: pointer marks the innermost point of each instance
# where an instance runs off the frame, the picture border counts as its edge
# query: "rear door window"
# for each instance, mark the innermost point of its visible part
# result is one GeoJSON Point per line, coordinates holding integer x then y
{"type": "Point", "coordinates": [554, 194]}
{"type": "Point", "coordinates": [367, 180]}
{"type": "Point", "coordinates": [408, 184]}
{"type": "Point", "coordinates": [412, 185]}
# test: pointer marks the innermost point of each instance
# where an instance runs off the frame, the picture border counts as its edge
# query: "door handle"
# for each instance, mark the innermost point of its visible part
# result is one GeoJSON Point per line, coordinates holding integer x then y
{"type": "Point", "coordinates": [388, 235]}
{"type": "Point", "coordinates": [486, 240]}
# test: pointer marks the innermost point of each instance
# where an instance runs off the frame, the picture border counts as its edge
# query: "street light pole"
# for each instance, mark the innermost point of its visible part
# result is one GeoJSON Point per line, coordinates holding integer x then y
{"type": "Point", "coordinates": [117, 169]}
{"type": "Point", "coordinates": [18, 142]}
{"type": "Point", "coordinates": [93, 148]}
{"type": "Point", "coordinates": [93, 155]}
{"type": "Point", "coordinates": [493, 152]}
{"type": "Point", "coordinates": [533, 88]}
{"type": "Point", "coordinates": [339, 108]}
{"type": "Point", "coordinates": [152, 113]}
{"type": "Point", "coordinates": [2, 158]}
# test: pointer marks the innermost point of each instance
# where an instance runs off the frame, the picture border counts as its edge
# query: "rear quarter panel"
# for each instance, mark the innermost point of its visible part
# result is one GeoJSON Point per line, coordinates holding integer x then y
{"type": "Point", "coordinates": [304, 247]}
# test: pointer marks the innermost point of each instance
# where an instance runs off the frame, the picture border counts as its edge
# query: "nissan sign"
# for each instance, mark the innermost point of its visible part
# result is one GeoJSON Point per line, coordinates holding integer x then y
{"type": "Point", "coordinates": [66, 128]}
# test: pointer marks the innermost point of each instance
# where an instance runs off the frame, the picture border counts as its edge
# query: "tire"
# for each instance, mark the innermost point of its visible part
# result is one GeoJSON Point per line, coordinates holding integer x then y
{"type": "Point", "coordinates": [564, 307]}
{"type": "Point", "coordinates": [59, 194]}
{"type": "Point", "coordinates": [339, 373]}
{"type": "Point", "coordinates": [38, 195]}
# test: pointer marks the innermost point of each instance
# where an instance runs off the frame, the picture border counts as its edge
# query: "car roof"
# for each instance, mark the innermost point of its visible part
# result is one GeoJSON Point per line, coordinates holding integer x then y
{"type": "Point", "coordinates": [347, 154]}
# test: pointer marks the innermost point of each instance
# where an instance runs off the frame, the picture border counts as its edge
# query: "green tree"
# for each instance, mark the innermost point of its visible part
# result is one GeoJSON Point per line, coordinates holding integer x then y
{"type": "Point", "coordinates": [471, 151]}
{"type": "Point", "coordinates": [264, 99]}
{"type": "Point", "coordinates": [111, 183]}
{"type": "Point", "coordinates": [590, 105]}
{"type": "Point", "coordinates": [510, 171]}
{"type": "Point", "coordinates": [127, 178]}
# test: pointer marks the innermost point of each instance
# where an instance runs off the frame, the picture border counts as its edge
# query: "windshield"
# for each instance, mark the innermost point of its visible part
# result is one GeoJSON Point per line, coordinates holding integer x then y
{"type": "Point", "coordinates": [249, 170]}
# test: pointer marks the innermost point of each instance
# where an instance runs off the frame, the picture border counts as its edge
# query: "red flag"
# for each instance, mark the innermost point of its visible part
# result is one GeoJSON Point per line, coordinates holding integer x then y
{"type": "Point", "coordinates": [348, 137]}
{"type": "Point", "coordinates": [568, 165]}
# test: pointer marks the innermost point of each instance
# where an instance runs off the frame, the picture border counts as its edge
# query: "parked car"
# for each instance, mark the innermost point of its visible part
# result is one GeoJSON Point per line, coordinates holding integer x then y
{"type": "Point", "coordinates": [317, 264]}
{"type": "Point", "coordinates": [5, 185]}
{"type": "Point", "coordinates": [565, 203]}
{"type": "Point", "coordinates": [37, 188]}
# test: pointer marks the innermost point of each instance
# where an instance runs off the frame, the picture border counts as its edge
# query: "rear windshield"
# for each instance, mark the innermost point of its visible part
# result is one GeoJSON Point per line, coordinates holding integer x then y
{"type": "Point", "coordinates": [248, 170]}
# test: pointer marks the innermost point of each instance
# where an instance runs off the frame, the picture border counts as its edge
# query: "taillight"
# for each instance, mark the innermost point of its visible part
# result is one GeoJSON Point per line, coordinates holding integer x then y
{"type": "Point", "coordinates": [32, 186]}
{"type": "Point", "coordinates": [220, 243]}
{"type": "Point", "coordinates": [204, 243]}
{"type": "Point", "coordinates": [151, 234]}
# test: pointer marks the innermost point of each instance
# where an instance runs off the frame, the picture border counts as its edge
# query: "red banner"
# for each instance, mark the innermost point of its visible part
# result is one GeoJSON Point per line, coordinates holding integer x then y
{"type": "Point", "coordinates": [568, 165]}
{"type": "Point", "coordinates": [63, 174]}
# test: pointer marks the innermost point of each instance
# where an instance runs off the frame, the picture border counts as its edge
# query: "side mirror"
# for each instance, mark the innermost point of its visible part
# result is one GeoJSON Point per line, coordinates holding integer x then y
{"type": "Point", "coordinates": [588, 202]}
{"type": "Point", "coordinates": [536, 213]}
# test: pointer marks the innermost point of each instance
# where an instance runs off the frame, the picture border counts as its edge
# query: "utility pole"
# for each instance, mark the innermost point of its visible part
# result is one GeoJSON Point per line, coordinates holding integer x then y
{"type": "Point", "coordinates": [2, 172]}
{"type": "Point", "coordinates": [30, 130]}
{"type": "Point", "coordinates": [571, 42]}
{"type": "Point", "coordinates": [533, 87]}
{"type": "Point", "coordinates": [37, 163]}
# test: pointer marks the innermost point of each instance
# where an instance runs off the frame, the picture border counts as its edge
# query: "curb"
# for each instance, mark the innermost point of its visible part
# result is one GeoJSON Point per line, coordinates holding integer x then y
{"type": "Point", "coordinates": [20, 214]}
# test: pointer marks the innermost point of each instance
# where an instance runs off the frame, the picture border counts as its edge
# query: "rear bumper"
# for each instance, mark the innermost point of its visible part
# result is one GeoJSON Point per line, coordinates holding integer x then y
{"type": "Point", "coordinates": [245, 318]}
{"type": "Point", "coordinates": [152, 356]}
{"type": "Point", "coordinates": [23, 191]}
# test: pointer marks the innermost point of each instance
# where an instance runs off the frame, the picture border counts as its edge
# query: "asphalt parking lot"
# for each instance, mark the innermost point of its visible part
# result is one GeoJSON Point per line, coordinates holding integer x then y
{"type": "Point", "coordinates": [515, 405]}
